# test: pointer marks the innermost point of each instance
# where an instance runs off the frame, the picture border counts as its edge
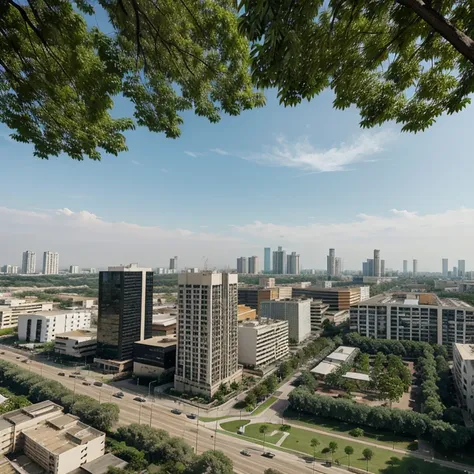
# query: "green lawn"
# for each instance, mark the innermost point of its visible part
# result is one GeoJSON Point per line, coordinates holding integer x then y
{"type": "Point", "coordinates": [383, 462]}
{"type": "Point", "coordinates": [266, 404]}
{"type": "Point", "coordinates": [206, 418]}
{"type": "Point", "coordinates": [384, 438]}
{"type": "Point", "coordinates": [233, 426]}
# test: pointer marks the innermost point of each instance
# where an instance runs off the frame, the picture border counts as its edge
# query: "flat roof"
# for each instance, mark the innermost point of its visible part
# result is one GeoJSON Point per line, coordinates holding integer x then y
{"type": "Point", "coordinates": [79, 333]}
{"type": "Point", "coordinates": [158, 341]}
{"type": "Point", "coordinates": [466, 351]}
{"type": "Point", "coordinates": [324, 368]}
{"type": "Point", "coordinates": [55, 312]}
{"type": "Point", "coordinates": [412, 299]}
{"type": "Point", "coordinates": [21, 415]}
{"type": "Point", "coordinates": [357, 376]}
{"type": "Point", "coordinates": [102, 464]}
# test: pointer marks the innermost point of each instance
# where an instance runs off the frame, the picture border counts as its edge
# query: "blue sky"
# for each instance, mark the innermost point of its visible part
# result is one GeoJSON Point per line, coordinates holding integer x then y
{"type": "Point", "coordinates": [297, 171]}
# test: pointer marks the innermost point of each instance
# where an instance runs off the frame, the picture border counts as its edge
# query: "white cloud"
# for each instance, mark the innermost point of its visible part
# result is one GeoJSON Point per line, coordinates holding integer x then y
{"type": "Point", "coordinates": [219, 151]}
{"type": "Point", "coordinates": [135, 162]}
{"type": "Point", "coordinates": [194, 154]}
{"type": "Point", "coordinates": [302, 155]}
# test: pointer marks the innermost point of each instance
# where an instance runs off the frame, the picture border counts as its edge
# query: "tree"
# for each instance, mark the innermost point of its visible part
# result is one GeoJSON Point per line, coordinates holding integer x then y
{"type": "Point", "coordinates": [263, 430]}
{"type": "Point", "coordinates": [234, 386]}
{"type": "Point", "coordinates": [307, 380]}
{"type": "Point", "coordinates": [333, 448]}
{"type": "Point", "coordinates": [356, 432]}
{"type": "Point", "coordinates": [349, 450]}
{"type": "Point", "coordinates": [272, 383]}
{"type": "Point", "coordinates": [407, 60]}
{"type": "Point", "coordinates": [314, 444]}
{"type": "Point", "coordinates": [58, 77]}
{"type": "Point", "coordinates": [368, 455]}
{"type": "Point", "coordinates": [211, 462]}
{"type": "Point", "coordinates": [390, 387]}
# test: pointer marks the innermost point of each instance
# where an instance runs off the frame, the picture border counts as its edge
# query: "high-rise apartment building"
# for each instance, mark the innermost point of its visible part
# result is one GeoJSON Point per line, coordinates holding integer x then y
{"type": "Point", "coordinates": [174, 264]}
{"type": "Point", "coordinates": [463, 374]}
{"type": "Point", "coordinates": [267, 259]}
{"type": "Point", "coordinates": [382, 267]}
{"type": "Point", "coordinates": [28, 263]}
{"type": "Point", "coordinates": [10, 269]}
{"type": "Point", "coordinates": [445, 267]}
{"type": "Point", "coordinates": [415, 267]}
{"type": "Point", "coordinates": [405, 266]}
{"type": "Point", "coordinates": [207, 352]}
{"type": "Point", "coordinates": [50, 263]}
{"type": "Point", "coordinates": [279, 261]}
{"type": "Point", "coordinates": [331, 262]}
{"type": "Point", "coordinates": [377, 272]}
{"type": "Point", "coordinates": [125, 314]}
{"type": "Point", "coordinates": [455, 272]}
{"type": "Point", "coordinates": [242, 265]}
{"type": "Point", "coordinates": [254, 266]}
{"type": "Point", "coordinates": [339, 266]}
{"type": "Point", "coordinates": [293, 264]}
{"type": "Point", "coordinates": [73, 269]}
{"type": "Point", "coordinates": [461, 268]}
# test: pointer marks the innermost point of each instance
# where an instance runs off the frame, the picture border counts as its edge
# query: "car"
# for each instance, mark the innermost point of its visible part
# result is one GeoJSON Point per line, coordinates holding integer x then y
{"type": "Point", "coordinates": [72, 376]}
{"type": "Point", "coordinates": [81, 377]}
{"type": "Point", "coordinates": [191, 416]}
{"type": "Point", "coordinates": [176, 411]}
{"type": "Point", "coordinates": [268, 454]}
{"type": "Point", "coordinates": [26, 361]}
{"type": "Point", "coordinates": [119, 395]}
{"type": "Point", "coordinates": [98, 384]}
{"type": "Point", "coordinates": [140, 399]}
{"type": "Point", "coordinates": [77, 373]}
{"type": "Point", "coordinates": [86, 383]}
{"type": "Point", "coordinates": [3, 352]}
{"type": "Point", "coordinates": [62, 374]}
{"type": "Point", "coordinates": [18, 357]}
{"type": "Point", "coordinates": [245, 452]}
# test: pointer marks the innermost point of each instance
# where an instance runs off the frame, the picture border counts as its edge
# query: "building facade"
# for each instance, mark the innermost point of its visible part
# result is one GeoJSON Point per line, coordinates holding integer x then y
{"type": "Point", "coordinates": [445, 267]}
{"type": "Point", "coordinates": [337, 298]}
{"type": "Point", "coordinates": [263, 342]}
{"type": "Point", "coordinates": [79, 343]}
{"type": "Point", "coordinates": [417, 317]}
{"type": "Point", "coordinates": [242, 265]}
{"type": "Point", "coordinates": [267, 259]}
{"type": "Point", "coordinates": [461, 268]}
{"type": "Point", "coordinates": [415, 267]}
{"type": "Point", "coordinates": [405, 267]}
{"type": "Point", "coordinates": [125, 313]}
{"type": "Point", "coordinates": [246, 313]}
{"type": "Point", "coordinates": [50, 263]}
{"type": "Point", "coordinates": [28, 263]}
{"type": "Point", "coordinates": [11, 308]}
{"type": "Point", "coordinates": [463, 373]}
{"type": "Point", "coordinates": [266, 282]}
{"type": "Point", "coordinates": [74, 269]}
{"type": "Point", "coordinates": [174, 264]}
{"type": "Point", "coordinates": [331, 263]}
{"type": "Point", "coordinates": [254, 266]}
{"type": "Point", "coordinates": [293, 264]}
{"type": "Point", "coordinates": [45, 325]}
{"type": "Point", "coordinates": [154, 356]}
{"type": "Point", "coordinates": [207, 353]}
{"type": "Point", "coordinates": [296, 311]}
{"type": "Point", "coordinates": [318, 310]}
{"type": "Point", "coordinates": [279, 261]}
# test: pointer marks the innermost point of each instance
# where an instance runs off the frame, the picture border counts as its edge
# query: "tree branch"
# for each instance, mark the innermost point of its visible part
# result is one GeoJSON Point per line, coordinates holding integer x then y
{"type": "Point", "coordinates": [461, 42]}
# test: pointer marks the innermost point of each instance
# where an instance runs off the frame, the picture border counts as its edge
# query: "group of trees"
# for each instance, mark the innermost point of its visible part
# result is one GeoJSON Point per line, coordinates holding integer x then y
{"type": "Point", "coordinates": [402, 348]}
{"type": "Point", "coordinates": [144, 445]}
{"type": "Point", "coordinates": [260, 391]}
{"type": "Point", "coordinates": [404, 422]}
{"type": "Point", "coordinates": [36, 388]}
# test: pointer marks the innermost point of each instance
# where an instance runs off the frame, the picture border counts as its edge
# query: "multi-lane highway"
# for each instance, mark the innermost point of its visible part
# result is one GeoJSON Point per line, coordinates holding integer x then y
{"type": "Point", "coordinates": [177, 425]}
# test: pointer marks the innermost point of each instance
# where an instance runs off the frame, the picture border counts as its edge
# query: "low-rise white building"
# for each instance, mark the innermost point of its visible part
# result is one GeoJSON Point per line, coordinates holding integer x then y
{"type": "Point", "coordinates": [11, 308]}
{"type": "Point", "coordinates": [296, 311]}
{"type": "Point", "coordinates": [262, 342]}
{"type": "Point", "coordinates": [318, 310]}
{"type": "Point", "coordinates": [79, 343]}
{"type": "Point", "coordinates": [43, 326]}
{"type": "Point", "coordinates": [463, 372]}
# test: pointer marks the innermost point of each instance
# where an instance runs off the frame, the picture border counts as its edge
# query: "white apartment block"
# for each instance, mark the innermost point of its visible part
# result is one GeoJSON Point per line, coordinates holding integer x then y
{"type": "Point", "coordinates": [414, 316]}
{"type": "Point", "coordinates": [253, 265]}
{"type": "Point", "coordinates": [74, 269]}
{"type": "Point", "coordinates": [318, 310]}
{"type": "Point", "coordinates": [11, 308]}
{"type": "Point", "coordinates": [266, 282]}
{"type": "Point", "coordinates": [50, 263]}
{"type": "Point", "coordinates": [296, 311]}
{"type": "Point", "coordinates": [10, 269]}
{"type": "Point", "coordinates": [44, 326]}
{"type": "Point", "coordinates": [285, 292]}
{"type": "Point", "coordinates": [79, 343]}
{"type": "Point", "coordinates": [28, 264]}
{"type": "Point", "coordinates": [207, 351]}
{"type": "Point", "coordinates": [263, 342]}
{"type": "Point", "coordinates": [463, 372]}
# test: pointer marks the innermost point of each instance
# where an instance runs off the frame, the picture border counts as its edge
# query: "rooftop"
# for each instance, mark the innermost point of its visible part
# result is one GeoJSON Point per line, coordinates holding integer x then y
{"type": "Point", "coordinates": [78, 334]}
{"type": "Point", "coordinates": [357, 376]}
{"type": "Point", "coordinates": [21, 415]}
{"type": "Point", "coordinates": [56, 312]}
{"type": "Point", "coordinates": [102, 464]}
{"type": "Point", "coordinates": [159, 341]}
{"type": "Point", "coordinates": [324, 368]}
{"type": "Point", "coordinates": [132, 267]}
{"type": "Point", "coordinates": [466, 351]}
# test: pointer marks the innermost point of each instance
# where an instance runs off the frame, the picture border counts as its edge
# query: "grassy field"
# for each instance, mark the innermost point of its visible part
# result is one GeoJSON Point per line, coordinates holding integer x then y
{"type": "Point", "coordinates": [206, 418]}
{"type": "Point", "coordinates": [266, 404]}
{"type": "Point", "coordinates": [384, 461]}
{"type": "Point", "coordinates": [384, 438]}
{"type": "Point", "coordinates": [233, 426]}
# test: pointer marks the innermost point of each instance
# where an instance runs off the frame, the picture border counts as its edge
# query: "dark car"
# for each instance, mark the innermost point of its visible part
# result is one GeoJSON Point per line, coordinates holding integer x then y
{"type": "Point", "coordinates": [72, 376]}
{"type": "Point", "coordinates": [86, 383]}
{"type": "Point", "coordinates": [176, 411]}
{"type": "Point", "coordinates": [62, 374]}
{"type": "Point", "coordinates": [191, 416]}
{"type": "Point", "coordinates": [98, 384]}
{"type": "Point", "coordinates": [140, 399]}
{"type": "Point", "coordinates": [268, 454]}
{"type": "Point", "coordinates": [118, 395]}
{"type": "Point", "coordinates": [245, 452]}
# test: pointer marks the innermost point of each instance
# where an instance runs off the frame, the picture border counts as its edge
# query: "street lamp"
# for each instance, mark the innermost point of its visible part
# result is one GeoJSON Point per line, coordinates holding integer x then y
{"type": "Point", "coordinates": [149, 387]}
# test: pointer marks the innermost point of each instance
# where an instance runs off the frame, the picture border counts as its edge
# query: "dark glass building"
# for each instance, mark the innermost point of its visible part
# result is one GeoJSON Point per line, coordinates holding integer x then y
{"type": "Point", "coordinates": [125, 311]}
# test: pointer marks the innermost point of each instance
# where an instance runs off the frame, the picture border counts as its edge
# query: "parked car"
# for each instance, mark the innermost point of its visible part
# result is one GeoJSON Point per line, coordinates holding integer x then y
{"type": "Point", "coordinates": [62, 374]}
{"type": "Point", "coordinates": [18, 357]}
{"type": "Point", "coordinates": [119, 395]}
{"type": "Point", "coordinates": [72, 376]}
{"type": "Point", "coordinates": [98, 384]}
{"type": "Point", "coordinates": [140, 399]}
{"type": "Point", "coordinates": [76, 372]}
{"type": "Point", "coordinates": [268, 454]}
{"type": "Point", "coordinates": [86, 383]}
{"type": "Point", "coordinates": [176, 411]}
{"type": "Point", "coordinates": [245, 452]}
{"type": "Point", "coordinates": [3, 352]}
{"type": "Point", "coordinates": [191, 416]}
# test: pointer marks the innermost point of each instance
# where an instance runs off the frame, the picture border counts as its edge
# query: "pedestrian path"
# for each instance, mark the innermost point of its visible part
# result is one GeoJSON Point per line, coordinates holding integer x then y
{"type": "Point", "coordinates": [280, 441]}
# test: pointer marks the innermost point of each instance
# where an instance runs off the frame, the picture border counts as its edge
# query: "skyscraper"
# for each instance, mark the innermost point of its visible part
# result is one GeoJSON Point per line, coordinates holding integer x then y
{"type": "Point", "coordinates": [365, 269]}
{"type": "Point", "coordinates": [293, 264]}
{"type": "Point", "coordinates": [376, 263]}
{"type": "Point", "coordinates": [445, 267]}
{"type": "Point", "coordinates": [267, 259]}
{"type": "Point", "coordinates": [279, 261]}
{"type": "Point", "coordinates": [174, 264]}
{"type": "Point", "coordinates": [74, 269]}
{"type": "Point", "coordinates": [405, 266]}
{"type": "Point", "coordinates": [331, 262]}
{"type": "Point", "coordinates": [28, 264]}
{"type": "Point", "coordinates": [254, 266]}
{"type": "Point", "coordinates": [455, 272]}
{"type": "Point", "coordinates": [415, 266]}
{"type": "Point", "coordinates": [50, 263]}
{"type": "Point", "coordinates": [382, 268]}
{"type": "Point", "coordinates": [207, 350]}
{"type": "Point", "coordinates": [339, 265]}
{"type": "Point", "coordinates": [242, 265]}
{"type": "Point", "coordinates": [461, 268]}
{"type": "Point", "coordinates": [370, 266]}
{"type": "Point", "coordinates": [125, 313]}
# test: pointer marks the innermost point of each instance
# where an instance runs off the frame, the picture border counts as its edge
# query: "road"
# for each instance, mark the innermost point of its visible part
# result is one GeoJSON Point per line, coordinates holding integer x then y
{"type": "Point", "coordinates": [176, 425]}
